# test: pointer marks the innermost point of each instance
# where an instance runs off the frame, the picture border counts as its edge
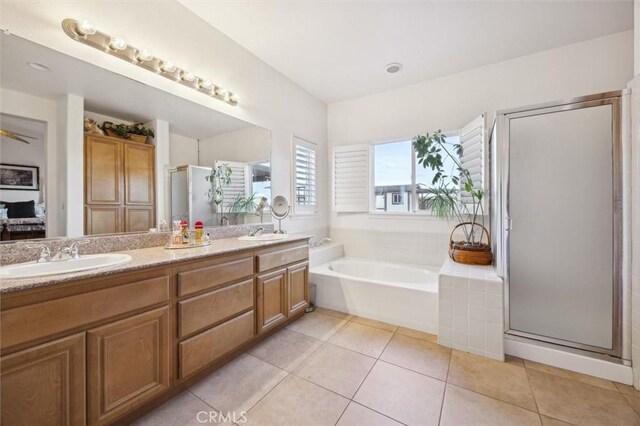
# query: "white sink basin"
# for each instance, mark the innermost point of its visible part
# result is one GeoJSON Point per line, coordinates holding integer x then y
{"type": "Point", "coordinates": [264, 237]}
{"type": "Point", "coordinates": [33, 269]}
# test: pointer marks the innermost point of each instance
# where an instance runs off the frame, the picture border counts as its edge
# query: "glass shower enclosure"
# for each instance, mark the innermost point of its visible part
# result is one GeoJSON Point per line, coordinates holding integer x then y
{"type": "Point", "coordinates": [557, 211]}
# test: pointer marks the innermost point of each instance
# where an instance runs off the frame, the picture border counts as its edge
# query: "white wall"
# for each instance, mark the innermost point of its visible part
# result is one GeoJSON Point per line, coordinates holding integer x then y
{"type": "Point", "coordinates": [448, 103]}
{"type": "Point", "coordinates": [244, 145]}
{"type": "Point", "coordinates": [267, 98]}
{"type": "Point", "coordinates": [182, 150]}
{"type": "Point", "coordinates": [635, 203]}
{"type": "Point", "coordinates": [70, 164]}
{"type": "Point", "coordinates": [34, 108]}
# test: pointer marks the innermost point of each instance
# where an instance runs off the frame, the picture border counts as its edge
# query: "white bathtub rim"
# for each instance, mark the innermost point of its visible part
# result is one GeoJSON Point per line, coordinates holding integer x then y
{"type": "Point", "coordinates": [431, 287]}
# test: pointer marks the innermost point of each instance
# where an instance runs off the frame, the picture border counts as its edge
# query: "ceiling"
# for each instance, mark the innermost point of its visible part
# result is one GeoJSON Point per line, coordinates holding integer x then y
{"type": "Point", "coordinates": [338, 50]}
{"type": "Point", "coordinates": [105, 92]}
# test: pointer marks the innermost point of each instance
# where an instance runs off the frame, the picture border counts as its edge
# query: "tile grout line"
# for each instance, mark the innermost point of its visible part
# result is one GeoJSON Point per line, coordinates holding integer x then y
{"type": "Point", "coordinates": [364, 380]}
{"type": "Point", "coordinates": [533, 394]}
{"type": "Point", "coordinates": [446, 383]}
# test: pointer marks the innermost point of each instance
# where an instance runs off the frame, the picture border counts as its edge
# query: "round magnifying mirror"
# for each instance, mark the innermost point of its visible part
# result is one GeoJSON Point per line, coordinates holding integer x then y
{"type": "Point", "coordinates": [280, 209]}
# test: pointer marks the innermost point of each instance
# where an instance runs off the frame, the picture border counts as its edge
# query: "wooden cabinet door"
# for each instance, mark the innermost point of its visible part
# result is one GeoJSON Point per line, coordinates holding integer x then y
{"type": "Point", "coordinates": [45, 385]}
{"type": "Point", "coordinates": [272, 299]}
{"type": "Point", "coordinates": [102, 219]}
{"type": "Point", "coordinates": [103, 170]}
{"type": "Point", "coordinates": [128, 364]}
{"type": "Point", "coordinates": [297, 287]}
{"type": "Point", "coordinates": [139, 174]}
{"type": "Point", "coordinates": [138, 219]}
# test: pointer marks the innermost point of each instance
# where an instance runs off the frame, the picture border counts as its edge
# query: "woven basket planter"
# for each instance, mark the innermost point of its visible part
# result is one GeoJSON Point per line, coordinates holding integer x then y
{"type": "Point", "coordinates": [478, 254]}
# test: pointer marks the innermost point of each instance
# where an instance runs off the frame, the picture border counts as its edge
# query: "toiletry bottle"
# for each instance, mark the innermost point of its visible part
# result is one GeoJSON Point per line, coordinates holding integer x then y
{"type": "Point", "coordinates": [176, 233]}
{"type": "Point", "coordinates": [185, 232]}
{"type": "Point", "coordinates": [199, 231]}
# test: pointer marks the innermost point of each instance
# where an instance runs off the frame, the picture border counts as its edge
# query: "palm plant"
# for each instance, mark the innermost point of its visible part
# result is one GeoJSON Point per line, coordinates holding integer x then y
{"type": "Point", "coordinates": [243, 203]}
{"type": "Point", "coordinates": [451, 190]}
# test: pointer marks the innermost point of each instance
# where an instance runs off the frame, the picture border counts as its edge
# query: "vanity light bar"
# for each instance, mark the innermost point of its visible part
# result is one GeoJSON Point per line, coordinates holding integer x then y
{"type": "Point", "coordinates": [86, 33]}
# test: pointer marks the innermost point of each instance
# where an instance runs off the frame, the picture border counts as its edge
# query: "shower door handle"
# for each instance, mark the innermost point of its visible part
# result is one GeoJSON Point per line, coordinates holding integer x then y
{"type": "Point", "coordinates": [509, 224]}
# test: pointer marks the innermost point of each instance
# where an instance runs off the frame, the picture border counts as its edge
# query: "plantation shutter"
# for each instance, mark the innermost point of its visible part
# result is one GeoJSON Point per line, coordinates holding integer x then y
{"type": "Point", "coordinates": [238, 183]}
{"type": "Point", "coordinates": [472, 139]}
{"type": "Point", "coordinates": [351, 178]}
{"type": "Point", "coordinates": [305, 191]}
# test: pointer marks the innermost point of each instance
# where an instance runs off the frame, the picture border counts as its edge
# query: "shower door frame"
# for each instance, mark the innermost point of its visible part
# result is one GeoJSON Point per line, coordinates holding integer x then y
{"type": "Point", "coordinates": [500, 189]}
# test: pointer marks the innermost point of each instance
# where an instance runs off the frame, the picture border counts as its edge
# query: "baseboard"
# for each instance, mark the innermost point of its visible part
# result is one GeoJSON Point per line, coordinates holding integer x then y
{"type": "Point", "coordinates": [609, 370]}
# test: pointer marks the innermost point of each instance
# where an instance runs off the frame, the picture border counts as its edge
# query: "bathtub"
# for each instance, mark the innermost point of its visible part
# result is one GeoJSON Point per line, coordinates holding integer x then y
{"type": "Point", "coordinates": [397, 294]}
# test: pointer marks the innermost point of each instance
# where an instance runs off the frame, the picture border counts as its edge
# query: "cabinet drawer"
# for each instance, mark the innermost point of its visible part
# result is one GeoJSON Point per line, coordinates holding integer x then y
{"type": "Point", "coordinates": [31, 322]}
{"type": "Point", "coordinates": [204, 348]}
{"type": "Point", "coordinates": [210, 308]}
{"type": "Point", "coordinates": [214, 275]}
{"type": "Point", "coordinates": [285, 256]}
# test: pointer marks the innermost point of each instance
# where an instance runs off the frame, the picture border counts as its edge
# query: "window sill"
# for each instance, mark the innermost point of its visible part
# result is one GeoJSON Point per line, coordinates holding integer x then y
{"type": "Point", "coordinates": [303, 216]}
{"type": "Point", "coordinates": [409, 216]}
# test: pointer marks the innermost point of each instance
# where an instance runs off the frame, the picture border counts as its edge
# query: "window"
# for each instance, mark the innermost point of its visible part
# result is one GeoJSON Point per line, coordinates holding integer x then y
{"type": "Point", "coordinates": [304, 170]}
{"type": "Point", "coordinates": [400, 184]}
{"type": "Point", "coordinates": [260, 179]}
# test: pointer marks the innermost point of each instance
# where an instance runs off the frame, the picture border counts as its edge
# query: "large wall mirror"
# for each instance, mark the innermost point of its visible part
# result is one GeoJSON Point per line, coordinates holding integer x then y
{"type": "Point", "coordinates": [63, 173]}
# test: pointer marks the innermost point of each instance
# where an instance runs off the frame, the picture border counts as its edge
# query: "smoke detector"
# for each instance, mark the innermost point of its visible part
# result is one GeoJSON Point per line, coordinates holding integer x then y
{"type": "Point", "coordinates": [393, 68]}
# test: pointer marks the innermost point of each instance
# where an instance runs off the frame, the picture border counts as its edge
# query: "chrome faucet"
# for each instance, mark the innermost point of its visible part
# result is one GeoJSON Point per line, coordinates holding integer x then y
{"type": "Point", "coordinates": [63, 254]}
{"type": "Point", "coordinates": [45, 254]}
{"type": "Point", "coordinates": [69, 253]}
{"type": "Point", "coordinates": [224, 219]}
{"type": "Point", "coordinates": [256, 232]}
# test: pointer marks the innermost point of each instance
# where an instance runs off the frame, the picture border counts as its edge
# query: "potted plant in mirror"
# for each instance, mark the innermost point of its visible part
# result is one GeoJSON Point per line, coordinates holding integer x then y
{"type": "Point", "coordinates": [136, 132]}
{"type": "Point", "coordinates": [243, 204]}
{"type": "Point", "coordinates": [453, 195]}
{"type": "Point", "coordinates": [220, 177]}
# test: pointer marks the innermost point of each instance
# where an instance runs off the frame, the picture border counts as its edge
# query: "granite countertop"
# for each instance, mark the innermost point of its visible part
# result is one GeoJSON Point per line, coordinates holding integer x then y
{"type": "Point", "coordinates": [145, 258]}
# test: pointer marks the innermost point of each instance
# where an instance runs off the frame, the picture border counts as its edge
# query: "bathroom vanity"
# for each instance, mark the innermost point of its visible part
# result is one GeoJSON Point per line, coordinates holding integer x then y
{"type": "Point", "coordinates": [98, 348]}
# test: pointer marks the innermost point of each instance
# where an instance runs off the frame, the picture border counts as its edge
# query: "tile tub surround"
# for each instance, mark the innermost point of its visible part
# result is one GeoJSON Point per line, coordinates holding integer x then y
{"type": "Point", "coordinates": [23, 251]}
{"type": "Point", "coordinates": [471, 309]}
{"type": "Point", "coordinates": [318, 378]}
{"type": "Point", "coordinates": [416, 247]}
{"type": "Point", "coordinates": [145, 258]}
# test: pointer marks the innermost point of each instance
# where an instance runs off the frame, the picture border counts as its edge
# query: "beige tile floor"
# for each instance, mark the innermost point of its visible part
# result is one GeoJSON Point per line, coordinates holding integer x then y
{"type": "Point", "coordinates": [330, 368]}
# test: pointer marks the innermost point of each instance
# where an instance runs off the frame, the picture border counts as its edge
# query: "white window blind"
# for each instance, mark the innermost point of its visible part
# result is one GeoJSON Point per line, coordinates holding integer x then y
{"type": "Point", "coordinates": [238, 183]}
{"type": "Point", "coordinates": [472, 139]}
{"type": "Point", "coordinates": [351, 178]}
{"type": "Point", "coordinates": [304, 171]}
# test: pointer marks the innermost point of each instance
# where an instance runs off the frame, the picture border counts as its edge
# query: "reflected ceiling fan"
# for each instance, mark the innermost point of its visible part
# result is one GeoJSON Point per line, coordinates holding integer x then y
{"type": "Point", "coordinates": [15, 136]}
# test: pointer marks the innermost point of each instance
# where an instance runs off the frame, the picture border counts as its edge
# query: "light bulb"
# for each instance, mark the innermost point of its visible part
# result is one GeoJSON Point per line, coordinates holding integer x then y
{"type": "Point", "coordinates": [168, 66]}
{"type": "Point", "coordinates": [187, 76]}
{"type": "Point", "coordinates": [85, 27]}
{"type": "Point", "coordinates": [234, 98]}
{"type": "Point", "coordinates": [143, 55]}
{"type": "Point", "coordinates": [205, 84]}
{"type": "Point", "coordinates": [118, 43]}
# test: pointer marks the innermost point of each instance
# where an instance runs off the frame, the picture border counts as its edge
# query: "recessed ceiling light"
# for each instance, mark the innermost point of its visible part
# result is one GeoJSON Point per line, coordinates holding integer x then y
{"type": "Point", "coordinates": [37, 66]}
{"type": "Point", "coordinates": [393, 68]}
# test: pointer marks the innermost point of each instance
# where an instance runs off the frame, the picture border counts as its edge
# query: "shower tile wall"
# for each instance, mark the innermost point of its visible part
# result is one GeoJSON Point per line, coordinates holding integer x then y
{"type": "Point", "coordinates": [471, 309]}
{"type": "Point", "coordinates": [415, 248]}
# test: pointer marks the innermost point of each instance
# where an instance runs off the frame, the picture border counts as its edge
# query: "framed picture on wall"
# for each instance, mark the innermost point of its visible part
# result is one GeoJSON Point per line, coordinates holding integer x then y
{"type": "Point", "coordinates": [23, 178]}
